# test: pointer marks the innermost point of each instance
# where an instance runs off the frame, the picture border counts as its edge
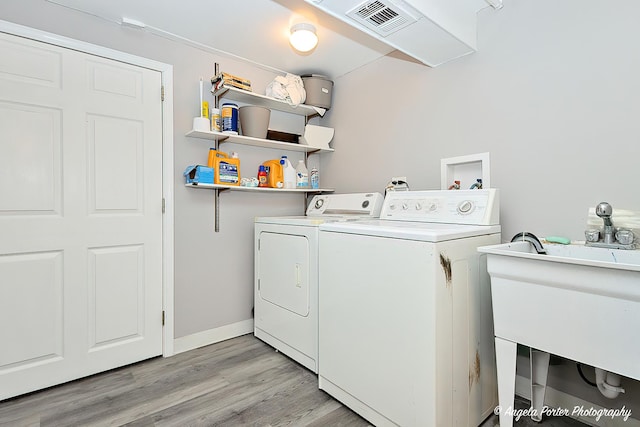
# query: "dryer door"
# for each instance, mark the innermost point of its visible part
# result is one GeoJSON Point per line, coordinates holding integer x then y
{"type": "Point", "coordinates": [283, 271]}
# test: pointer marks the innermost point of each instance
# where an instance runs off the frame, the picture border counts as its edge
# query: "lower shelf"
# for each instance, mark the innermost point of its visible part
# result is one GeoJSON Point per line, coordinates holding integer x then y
{"type": "Point", "coordinates": [259, 189]}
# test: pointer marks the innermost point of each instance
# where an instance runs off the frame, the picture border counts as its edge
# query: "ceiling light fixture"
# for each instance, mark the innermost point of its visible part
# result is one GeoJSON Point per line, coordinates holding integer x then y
{"type": "Point", "coordinates": [303, 37]}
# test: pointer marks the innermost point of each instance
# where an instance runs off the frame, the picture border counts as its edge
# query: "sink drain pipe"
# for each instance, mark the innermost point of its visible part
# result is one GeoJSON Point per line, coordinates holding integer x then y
{"type": "Point", "coordinates": [608, 383]}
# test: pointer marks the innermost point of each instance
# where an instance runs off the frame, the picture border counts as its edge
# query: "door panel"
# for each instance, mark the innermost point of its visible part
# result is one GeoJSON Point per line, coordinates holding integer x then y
{"type": "Point", "coordinates": [31, 308]}
{"type": "Point", "coordinates": [30, 160]}
{"type": "Point", "coordinates": [29, 63]}
{"type": "Point", "coordinates": [116, 294]}
{"type": "Point", "coordinates": [115, 164]}
{"type": "Point", "coordinates": [116, 80]}
{"type": "Point", "coordinates": [80, 214]}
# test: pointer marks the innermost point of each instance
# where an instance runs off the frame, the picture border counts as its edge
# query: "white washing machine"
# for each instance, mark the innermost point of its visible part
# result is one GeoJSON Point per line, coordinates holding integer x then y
{"type": "Point", "coordinates": [286, 272]}
{"type": "Point", "coordinates": [405, 326]}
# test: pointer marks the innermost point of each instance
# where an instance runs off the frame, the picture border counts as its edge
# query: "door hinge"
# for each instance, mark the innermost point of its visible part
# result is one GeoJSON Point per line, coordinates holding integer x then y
{"type": "Point", "coordinates": [162, 317]}
{"type": "Point", "coordinates": [162, 93]}
{"type": "Point", "coordinates": [163, 205]}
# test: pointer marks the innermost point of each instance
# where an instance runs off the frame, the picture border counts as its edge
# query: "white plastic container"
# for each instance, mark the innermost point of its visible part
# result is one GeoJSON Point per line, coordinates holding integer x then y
{"type": "Point", "coordinates": [302, 175]}
{"type": "Point", "coordinates": [289, 173]}
{"type": "Point", "coordinates": [319, 90]}
{"type": "Point", "coordinates": [216, 120]}
{"type": "Point", "coordinates": [229, 114]}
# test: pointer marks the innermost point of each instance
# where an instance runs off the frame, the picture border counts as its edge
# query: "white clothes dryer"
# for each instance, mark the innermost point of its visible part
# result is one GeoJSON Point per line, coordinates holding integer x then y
{"type": "Point", "coordinates": [405, 330]}
{"type": "Point", "coordinates": [286, 272]}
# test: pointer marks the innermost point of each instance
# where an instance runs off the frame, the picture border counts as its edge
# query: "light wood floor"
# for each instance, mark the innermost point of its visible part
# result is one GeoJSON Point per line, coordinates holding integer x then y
{"type": "Point", "coordinates": [239, 382]}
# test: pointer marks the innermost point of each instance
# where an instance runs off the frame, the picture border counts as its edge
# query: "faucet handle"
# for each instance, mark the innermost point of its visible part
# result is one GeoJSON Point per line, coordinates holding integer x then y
{"type": "Point", "coordinates": [592, 235]}
{"type": "Point", "coordinates": [624, 237]}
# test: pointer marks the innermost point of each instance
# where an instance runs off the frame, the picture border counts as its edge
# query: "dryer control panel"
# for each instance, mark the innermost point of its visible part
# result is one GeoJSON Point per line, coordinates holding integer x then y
{"type": "Point", "coordinates": [357, 204]}
{"type": "Point", "coordinates": [472, 207]}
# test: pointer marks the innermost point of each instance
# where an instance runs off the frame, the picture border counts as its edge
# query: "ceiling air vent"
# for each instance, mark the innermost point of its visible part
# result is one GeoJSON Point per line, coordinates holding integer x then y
{"type": "Point", "coordinates": [382, 17]}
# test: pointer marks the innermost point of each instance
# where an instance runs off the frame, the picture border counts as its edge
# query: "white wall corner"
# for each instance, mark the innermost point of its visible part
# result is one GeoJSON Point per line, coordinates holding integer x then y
{"type": "Point", "coordinates": [212, 336]}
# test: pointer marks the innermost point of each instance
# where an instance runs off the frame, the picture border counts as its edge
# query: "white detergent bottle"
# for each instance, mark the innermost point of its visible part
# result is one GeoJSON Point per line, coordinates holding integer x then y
{"type": "Point", "coordinates": [302, 175]}
{"type": "Point", "coordinates": [289, 173]}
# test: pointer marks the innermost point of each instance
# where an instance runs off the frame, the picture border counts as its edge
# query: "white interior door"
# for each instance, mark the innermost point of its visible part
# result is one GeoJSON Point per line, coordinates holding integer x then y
{"type": "Point", "coordinates": [80, 214]}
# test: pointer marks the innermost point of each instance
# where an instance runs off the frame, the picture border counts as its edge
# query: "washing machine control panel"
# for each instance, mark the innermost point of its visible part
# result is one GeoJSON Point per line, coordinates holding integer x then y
{"type": "Point", "coordinates": [476, 207]}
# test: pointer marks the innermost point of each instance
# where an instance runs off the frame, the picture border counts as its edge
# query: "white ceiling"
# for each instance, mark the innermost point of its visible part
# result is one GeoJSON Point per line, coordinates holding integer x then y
{"type": "Point", "coordinates": [256, 30]}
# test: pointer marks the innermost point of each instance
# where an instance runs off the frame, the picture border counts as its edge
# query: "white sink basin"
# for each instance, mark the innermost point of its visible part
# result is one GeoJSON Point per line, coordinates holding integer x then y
{"type": "Point", "coordinates": [579, 302]}
{"type": "Point", "coordinates": [572, 254]}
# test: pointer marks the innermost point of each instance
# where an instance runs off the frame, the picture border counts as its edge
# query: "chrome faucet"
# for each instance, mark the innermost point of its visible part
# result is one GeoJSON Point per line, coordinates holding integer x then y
{"type": "Point", "coordinates": [604, 211]}
{"type": "Point", "coordinates": [610, 237]}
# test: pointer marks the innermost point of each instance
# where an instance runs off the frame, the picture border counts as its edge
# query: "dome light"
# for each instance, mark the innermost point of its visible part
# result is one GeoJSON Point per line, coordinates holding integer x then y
{"type": "Point", "coordinates": [303, 37]}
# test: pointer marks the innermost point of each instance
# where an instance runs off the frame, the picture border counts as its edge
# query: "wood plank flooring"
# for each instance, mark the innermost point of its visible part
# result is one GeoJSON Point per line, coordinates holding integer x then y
{"type": "Point", "coordinates": [239, 382]}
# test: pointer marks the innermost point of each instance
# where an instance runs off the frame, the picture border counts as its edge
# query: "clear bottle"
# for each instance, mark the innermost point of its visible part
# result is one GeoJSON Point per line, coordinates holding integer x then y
{"type": "Point", "coordinates": [302, 175]}
{"type": "Point", "coordinates": [289, 173]}
{"type": "Point", "coordinates": [315, 178]}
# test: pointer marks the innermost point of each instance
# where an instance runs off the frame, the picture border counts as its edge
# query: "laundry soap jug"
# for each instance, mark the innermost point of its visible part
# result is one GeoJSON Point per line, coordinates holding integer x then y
{"type": "Point", "coordinates": [226, 169]}
{"type": "Point", "coordinates": [275, 173]}
{"type": "Point", "coordinates": [302, 175]}
{"type": "Point", "coordinates": [289, 173]}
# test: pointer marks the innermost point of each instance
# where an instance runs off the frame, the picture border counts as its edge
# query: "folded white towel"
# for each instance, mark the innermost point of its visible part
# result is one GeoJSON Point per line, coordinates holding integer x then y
{"type": "Point", "coordinates": [288, 88]}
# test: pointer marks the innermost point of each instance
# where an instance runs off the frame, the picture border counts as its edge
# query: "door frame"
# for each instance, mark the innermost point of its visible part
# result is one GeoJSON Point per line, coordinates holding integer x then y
{"type": "Point", "coordinates": [166, 71]}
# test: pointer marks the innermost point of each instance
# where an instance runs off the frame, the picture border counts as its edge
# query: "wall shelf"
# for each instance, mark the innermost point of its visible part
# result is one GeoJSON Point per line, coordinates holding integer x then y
{"type": "Point", "coordinates": [258, 189]}
{"type": "Point", "coordinates": [255, 142]}
{"type": "Point", "coordinates": [253, 98]}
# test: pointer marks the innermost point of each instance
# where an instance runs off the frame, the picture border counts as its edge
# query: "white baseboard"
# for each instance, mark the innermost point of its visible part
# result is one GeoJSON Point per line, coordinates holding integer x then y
{"type": "Point", "coordinates": [557, 399]}
{"type": "Point", "coordinates": [212, 336]}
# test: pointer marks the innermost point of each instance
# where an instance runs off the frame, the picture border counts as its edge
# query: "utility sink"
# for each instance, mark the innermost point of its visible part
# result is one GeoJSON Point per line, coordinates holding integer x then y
{"type": "Point", "coordinates": [572, 254]}
{"type": "Point", "coordinates": [576, 301]}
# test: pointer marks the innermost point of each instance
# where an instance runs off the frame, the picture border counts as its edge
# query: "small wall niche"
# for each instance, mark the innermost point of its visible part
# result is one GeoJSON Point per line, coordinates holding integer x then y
{"type": "Point", "coordinates": [466, 169]}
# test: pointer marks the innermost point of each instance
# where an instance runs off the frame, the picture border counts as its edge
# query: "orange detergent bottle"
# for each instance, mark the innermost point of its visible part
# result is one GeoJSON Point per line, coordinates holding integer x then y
{"type": "Point", "coordinates": [226, 170]}
{"type": "Point", "coordinates": [275, 173]}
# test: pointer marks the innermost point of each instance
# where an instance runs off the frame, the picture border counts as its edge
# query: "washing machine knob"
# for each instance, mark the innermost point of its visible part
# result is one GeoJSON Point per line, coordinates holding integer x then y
{"type": "Point", "coordinates": [405, 206]}
{"type": "Point", "coordinates": [418, 206]}
{"type": "Point", "coordinates": [319, 203]}
{"type": "Point", "coordinates": [365, 203]}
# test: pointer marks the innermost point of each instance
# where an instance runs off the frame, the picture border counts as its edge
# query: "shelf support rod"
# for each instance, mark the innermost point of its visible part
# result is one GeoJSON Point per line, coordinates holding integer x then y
{"type": "Point", "coordinates": [305, 199]}
{"type": "Point", "coordinates": [216, 200]}
{"type": "Point", "coordinates": [216, 195]}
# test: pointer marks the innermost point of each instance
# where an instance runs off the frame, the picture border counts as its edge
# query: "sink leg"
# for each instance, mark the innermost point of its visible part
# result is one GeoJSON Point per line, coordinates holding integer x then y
{"type": "Point", "coordinates": [506, 353]}
{"type": "Point", "coordinates": [539, 361]}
